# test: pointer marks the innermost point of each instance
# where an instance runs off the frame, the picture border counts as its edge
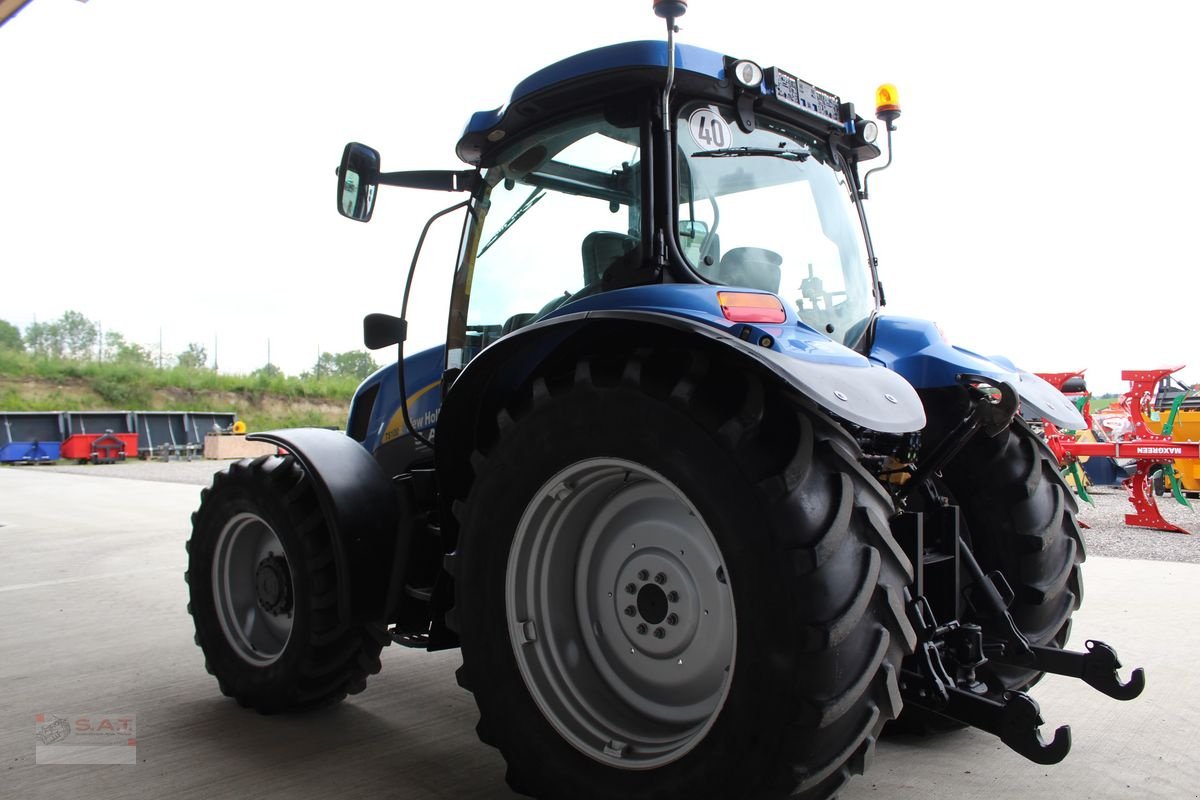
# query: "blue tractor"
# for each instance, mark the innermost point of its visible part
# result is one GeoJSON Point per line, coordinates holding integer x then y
{"type": "Point", "coordinates": [701, 518]}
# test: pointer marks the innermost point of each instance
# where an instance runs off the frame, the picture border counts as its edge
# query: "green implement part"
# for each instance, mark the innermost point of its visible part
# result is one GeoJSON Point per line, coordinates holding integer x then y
{"type": "Point", "coordinates": [1175, 411]}
{"type": "Point", "coordinates": [1080, 482]}
{"type": "Point", "coordinates": [1176, 490]}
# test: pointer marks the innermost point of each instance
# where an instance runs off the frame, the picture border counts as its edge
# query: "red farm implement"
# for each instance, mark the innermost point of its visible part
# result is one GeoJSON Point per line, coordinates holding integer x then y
{"type": "Point", "coordinates": [1150, 450]}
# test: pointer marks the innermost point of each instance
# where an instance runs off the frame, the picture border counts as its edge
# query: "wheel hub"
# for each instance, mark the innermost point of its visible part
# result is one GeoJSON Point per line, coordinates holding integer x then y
{"type": "Point", "coordinates": [657, 601]}
{"type": "Point", "coordinates": [273, 580]}
{"type": "Point", "coordinates": [252, 589]}
{"type": "Point", "coordinates": [621, 619]}
{"type": "Point", "coordinates": [652, 603]}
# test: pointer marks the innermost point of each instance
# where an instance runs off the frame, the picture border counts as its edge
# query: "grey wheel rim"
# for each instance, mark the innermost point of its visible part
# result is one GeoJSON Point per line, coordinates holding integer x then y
{"type": "Point", "coordinates": [252, 589]}
{"type": "Point", "coordinates": [620, 613]}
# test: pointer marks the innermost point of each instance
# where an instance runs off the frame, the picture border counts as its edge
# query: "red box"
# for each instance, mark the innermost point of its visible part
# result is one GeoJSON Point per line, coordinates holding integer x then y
{"type": "Point", "coordinates": [107, 446]}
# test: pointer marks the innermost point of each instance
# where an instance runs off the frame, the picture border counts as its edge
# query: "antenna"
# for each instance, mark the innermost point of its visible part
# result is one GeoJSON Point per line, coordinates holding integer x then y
{"type": "Point", "coordinates": [670, 10]}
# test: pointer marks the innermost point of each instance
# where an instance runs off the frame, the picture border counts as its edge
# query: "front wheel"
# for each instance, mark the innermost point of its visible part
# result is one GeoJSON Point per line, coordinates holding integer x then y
{"type": "Point", "coordinates": [264, 593]}
{"type": "Point", "coordinates": [677, 586]}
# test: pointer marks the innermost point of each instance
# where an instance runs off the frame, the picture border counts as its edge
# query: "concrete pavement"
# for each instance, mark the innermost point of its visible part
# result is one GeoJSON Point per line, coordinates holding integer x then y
{"type": "Point", "coordinates": [92, 619]}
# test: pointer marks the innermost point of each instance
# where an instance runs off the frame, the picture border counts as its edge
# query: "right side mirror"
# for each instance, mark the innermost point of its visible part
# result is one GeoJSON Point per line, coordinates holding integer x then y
{"type": "Point", "coordinates": [358, 180]}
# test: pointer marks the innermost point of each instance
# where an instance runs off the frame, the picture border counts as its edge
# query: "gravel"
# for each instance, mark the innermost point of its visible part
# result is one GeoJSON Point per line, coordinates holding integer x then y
{"type": "Point", "coordinates": [1106, 533]}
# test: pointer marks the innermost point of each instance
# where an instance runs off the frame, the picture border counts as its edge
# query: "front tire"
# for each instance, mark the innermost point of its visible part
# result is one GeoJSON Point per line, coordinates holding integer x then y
{"type": "Point", "coordinates": [264, 594]}
{"type": "Point", "coordinates": [723, 504]}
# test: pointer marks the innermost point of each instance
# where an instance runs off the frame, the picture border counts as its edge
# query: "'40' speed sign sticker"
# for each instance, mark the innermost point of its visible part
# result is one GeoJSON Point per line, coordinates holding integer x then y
{"type": "Point", "coordinates": [709, 130]}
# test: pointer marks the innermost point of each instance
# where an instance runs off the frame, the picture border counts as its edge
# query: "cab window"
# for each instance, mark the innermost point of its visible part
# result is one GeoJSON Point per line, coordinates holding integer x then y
{"type": "Point", "coordinates": [560, 212]}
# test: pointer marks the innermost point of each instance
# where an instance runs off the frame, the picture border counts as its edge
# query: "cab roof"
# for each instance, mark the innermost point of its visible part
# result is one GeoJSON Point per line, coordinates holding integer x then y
{"type": "Point", "coordinates": [486, 129]}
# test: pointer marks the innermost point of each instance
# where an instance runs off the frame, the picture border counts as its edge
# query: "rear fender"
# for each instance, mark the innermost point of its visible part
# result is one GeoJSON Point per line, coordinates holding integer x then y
{"type": "Point", "coordinates": [364, 511]}
{"type": "Point", "coordinates": [915, 349]}
{"type": "Point", "coordinates": [850, 389]}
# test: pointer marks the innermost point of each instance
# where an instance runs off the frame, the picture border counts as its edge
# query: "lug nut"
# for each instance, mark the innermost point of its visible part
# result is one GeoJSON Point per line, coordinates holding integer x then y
{"type": "Point", "coordinates": [630, 611]}
{"type": "Point", "coordinates": [672, 619]}
{"type": "Point", "coordinates": [660, 578]}
{"type": "Point", "coordinates": [630, 588]}
{"type": "Point", "coordinates": [643, 575]}
{"type": "Point", "coordinates": [641, 628]}
{"type": "Point", "coordinates": [673, 596]}
{"type": "Point", "coordinates": [659, 633]}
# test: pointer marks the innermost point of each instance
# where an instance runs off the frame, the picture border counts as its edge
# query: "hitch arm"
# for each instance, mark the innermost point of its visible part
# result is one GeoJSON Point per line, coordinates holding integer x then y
{"type": "Point", "coordinates": [1097, 667]}
{"type": "Point", "coordinates": [1015, 721]}
{"type": "Point", "coordinates": [992, 416]}
{"type": "Point", "coordinates": [1013, 716]}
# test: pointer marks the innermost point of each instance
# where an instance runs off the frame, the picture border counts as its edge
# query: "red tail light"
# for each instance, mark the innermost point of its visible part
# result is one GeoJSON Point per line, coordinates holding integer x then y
{"type": "Point", "coordinates": [751, 307]}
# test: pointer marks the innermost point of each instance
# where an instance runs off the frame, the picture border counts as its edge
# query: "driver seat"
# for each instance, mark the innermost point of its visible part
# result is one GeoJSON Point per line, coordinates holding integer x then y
{"type": "Point", "coordinates": [751, 268]}
{"type": "Point", "coordinates": [602, 249]}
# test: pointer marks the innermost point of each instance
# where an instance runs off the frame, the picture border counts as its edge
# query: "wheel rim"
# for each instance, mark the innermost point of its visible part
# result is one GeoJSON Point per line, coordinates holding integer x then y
{"type": "Point", "coordinates": [620, 613]}
{"type": "Point", "coordinates": [252, 587]}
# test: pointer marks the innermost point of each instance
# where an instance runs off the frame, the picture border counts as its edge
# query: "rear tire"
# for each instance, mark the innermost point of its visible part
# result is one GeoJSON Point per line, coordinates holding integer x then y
{"type": "Point", "coordinates": [264, 593]}
{"type": "Point", "coordinates": [787, 548]}
{"type": "Point", "coordinates": [1020, 520]}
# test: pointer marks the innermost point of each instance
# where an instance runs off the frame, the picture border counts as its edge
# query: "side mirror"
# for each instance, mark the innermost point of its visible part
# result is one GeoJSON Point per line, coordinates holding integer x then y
{"type": "Point", "coordinates": [693, 229]}
{"type": "Point", "coordinates": [693, 235]}
{"type": "Point", "coordinates": [358, 180]}
{"type": "Point", "coordinates": [381, 330]}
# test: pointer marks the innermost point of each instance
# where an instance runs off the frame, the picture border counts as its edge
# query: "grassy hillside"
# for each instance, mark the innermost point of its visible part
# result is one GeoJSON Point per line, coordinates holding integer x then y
{"type": "Point", "coordinates": [29, 384]}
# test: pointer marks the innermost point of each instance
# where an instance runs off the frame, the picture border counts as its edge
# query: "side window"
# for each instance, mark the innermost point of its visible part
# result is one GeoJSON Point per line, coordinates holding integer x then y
{"type": "Point", "coordinates": [561, 210]}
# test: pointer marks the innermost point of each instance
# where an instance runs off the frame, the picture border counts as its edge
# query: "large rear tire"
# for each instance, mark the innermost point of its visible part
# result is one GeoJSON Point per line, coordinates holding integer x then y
{"type": "Point", "coordinates": [264, 593]}
{"type": "Point", "coordinates": [1020, 520]}
{"type": "Point", "coordinates": [677, 583]}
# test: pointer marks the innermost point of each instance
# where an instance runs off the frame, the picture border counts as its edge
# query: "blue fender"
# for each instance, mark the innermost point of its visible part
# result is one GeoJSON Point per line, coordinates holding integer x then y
{"type": "Point", "coordinates": [915, 349]}
{"type": "Point", "coordinates": [833, 377]}
{"type": "Point", "coordinates": [365, 513]}
{"type": "Point", "coordinates": [836, 378]}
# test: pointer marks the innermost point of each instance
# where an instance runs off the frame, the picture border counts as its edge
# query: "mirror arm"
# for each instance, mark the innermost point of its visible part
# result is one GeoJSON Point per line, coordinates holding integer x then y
{"type": "Point", "coordinates": [437, 180]}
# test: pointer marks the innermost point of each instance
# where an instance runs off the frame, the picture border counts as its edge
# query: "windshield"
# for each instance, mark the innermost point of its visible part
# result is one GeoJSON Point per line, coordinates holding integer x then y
{"type": "Point", "coordinates": [770, 210]}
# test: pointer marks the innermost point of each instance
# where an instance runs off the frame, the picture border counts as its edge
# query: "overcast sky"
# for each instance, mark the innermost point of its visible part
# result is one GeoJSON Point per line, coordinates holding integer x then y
{"type": "Point", "coordinates": [170, 165]}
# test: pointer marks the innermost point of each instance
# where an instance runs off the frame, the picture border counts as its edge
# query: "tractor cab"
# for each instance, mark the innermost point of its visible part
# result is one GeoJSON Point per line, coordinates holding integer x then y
{"type": "Point", "coordinates": [750, 183]}
{"type": "Point", "coordinates": [588, 183]}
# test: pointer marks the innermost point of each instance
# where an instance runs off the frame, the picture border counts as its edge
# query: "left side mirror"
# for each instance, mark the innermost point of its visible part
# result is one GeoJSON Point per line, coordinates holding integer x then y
{"type": "Point", "coordinates": [381, 330]}
{"type": "Point", "coordinates": [358, 180]}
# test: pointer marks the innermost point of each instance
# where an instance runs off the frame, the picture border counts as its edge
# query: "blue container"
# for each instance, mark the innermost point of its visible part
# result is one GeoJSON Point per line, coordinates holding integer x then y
{"type": "Point", "coordinates": [26, 452]}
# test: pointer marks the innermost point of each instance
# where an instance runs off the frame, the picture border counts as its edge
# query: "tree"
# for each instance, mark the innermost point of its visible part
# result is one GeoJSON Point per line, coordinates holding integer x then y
{"type": "Point", "coordinates": [120, 351]}
{"type": "Point", "coordinates": [354, 364]}
{"type": "Point", "coordinates": [324, 367]}
{"type": "Point", "coordinates": [195, 357]}
{"type": "Point", "coordinates": [350, 364]}
{"type": "Point", "coordinates": [70, 336]}
{"type": "Point", "coordinates": [79, 335]}
{"type": "Point", "coordinates": [44, 340]}
{"type": "Point", "coordinates": [267, 372]}
{"type": "Point", "coordinates": [10, 336]}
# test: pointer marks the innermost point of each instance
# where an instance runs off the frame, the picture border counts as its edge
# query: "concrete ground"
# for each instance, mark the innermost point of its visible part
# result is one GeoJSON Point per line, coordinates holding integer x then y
{"type": "Point", "coordinates": [92, 619]}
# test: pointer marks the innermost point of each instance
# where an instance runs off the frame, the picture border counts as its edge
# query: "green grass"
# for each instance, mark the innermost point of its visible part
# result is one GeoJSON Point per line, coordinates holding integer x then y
{"type": "Point", "coordinates": [78, 386]}
{"type": "Point", "coordinates": [23, 365]}
{"type": "Point", "coordinates": [1104, 401]}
